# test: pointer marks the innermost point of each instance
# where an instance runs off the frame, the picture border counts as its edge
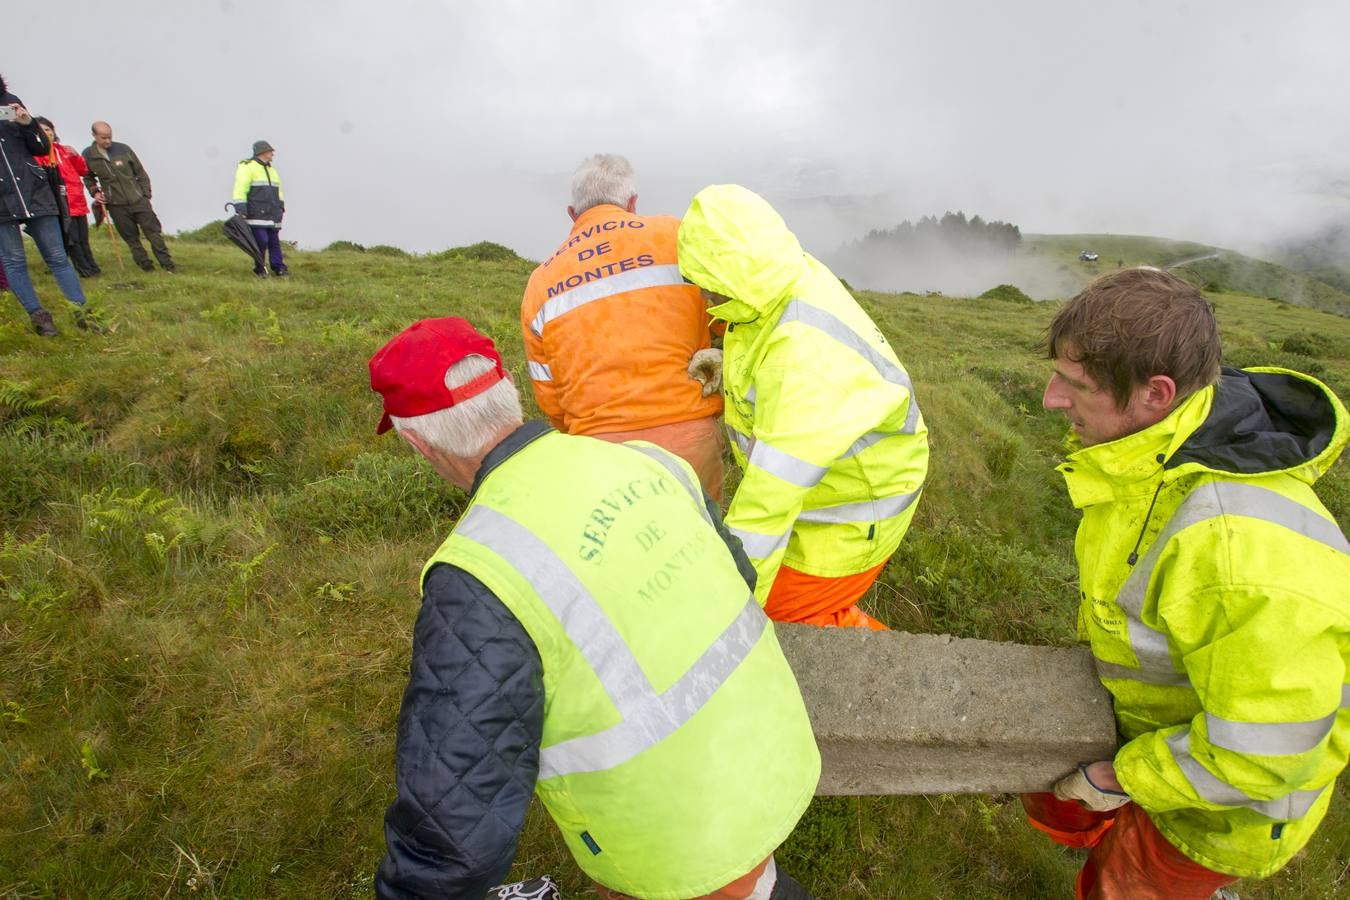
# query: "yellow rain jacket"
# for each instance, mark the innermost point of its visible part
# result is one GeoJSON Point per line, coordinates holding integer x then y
{"type": "Point", "coordinates": [1216, 597]}
{"type": "Point", "coordinates": [821, 415]}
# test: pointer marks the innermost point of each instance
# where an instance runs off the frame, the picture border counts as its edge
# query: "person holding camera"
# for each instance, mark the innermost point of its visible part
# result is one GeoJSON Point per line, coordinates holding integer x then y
{"type": "Point", "coordinates": [26, 198]}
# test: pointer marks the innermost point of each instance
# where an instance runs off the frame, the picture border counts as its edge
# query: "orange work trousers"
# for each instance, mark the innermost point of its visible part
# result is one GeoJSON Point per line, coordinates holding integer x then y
{"type": "Point", "coordinates": [757, 884]}
{"type": "Point", "coordinates": [1128, 858]}
{"type": "Point", "coordinates": [699, 442]}
{"type": "Point", "coordinates": [815, 600]}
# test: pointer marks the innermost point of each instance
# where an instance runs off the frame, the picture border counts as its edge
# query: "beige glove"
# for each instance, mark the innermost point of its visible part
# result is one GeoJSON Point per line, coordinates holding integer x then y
{"type": "Point", "coordinates": [1079, 787]}
{"type": "Point", "coordinates": [705, 367]}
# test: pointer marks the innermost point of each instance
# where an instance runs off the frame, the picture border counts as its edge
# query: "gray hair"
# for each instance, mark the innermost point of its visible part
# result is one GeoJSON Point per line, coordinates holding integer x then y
{"type": "Point", "coordinates": [467, 429]}
{"type": "Point", "coordinates": [602, 178]}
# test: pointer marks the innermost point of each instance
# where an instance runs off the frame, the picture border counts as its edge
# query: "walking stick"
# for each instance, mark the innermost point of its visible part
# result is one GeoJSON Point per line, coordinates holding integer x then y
{"type": "Point", "coordinates": [112, 239]}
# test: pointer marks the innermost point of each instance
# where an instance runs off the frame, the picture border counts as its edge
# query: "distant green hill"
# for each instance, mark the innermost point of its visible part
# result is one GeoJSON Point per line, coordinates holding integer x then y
{"type": "Point", "coordinates": [1217, 269]}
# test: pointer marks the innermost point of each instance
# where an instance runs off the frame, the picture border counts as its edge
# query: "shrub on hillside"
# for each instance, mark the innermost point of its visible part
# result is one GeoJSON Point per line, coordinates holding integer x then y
{"type": "Point", "coordinates": [1247, 357]}
{"type": "Point", "coordinates": [210, 233]}
{"type": "Point", "coordinates": [1009, 292]}
{"type": "Point", "coordinates": [483, 251]}
{"type": "Point", "coordinates": [388, 250]}
{"type": "Point", "coordinates": [1307, 343]}
{"type": "Point", "coordinates": [346, 246]}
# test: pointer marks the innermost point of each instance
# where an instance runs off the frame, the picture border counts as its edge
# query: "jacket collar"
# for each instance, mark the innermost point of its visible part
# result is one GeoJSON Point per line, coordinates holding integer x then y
{"type": "Point", "coordinates": [512, 444]}
{"type": "Point", "coordinates": [1133, 464]}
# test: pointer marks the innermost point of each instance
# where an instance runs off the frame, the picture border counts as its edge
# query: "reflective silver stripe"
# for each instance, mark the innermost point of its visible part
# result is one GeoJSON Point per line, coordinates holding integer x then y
{"type": "Point", "coordinates": [815, 317]}
{"type": "Point", "coordinates": [762, 546]}
{"type": "Point", "coordinates": [786, 466]}
{"type": "Point", "coordinates": [1291, 806]}
{"type": "Point", "coordinates": [648, 717]}
{"type": "Point", "coordinates": [674, 468]}
{"type": "Point", "coordinates": [868, 440]}
{"type": "Point", "coordinates": [660, 715]}
{"type": "Point", "coordinates": [863, 511]}
{"type": "Point", "coordinates": [1168, 678]}
{"type": "Point", "coordinates": [569, 601]}
{"type": "Point", "coordinates": [539, 371]}
{"type": "Point", "coordinates": [745, 442]}
{"type": "Point", "coordinates": [1209, 501]}
{"type": "Point", "coordinates": [750, 395]}
{"type": "Point", "coordinates": [262, 184]}
{"type": "Point", "coordinates": [1267, 738]}
{"type": "Point", "coordinates": [1345, 695]}
{"type": "Point", "coordinates": [637, 279]}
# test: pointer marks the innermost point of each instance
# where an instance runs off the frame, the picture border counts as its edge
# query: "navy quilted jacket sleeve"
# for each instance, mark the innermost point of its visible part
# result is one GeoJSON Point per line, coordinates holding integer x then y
{"type": "Point", "coordinates": [468, 744]}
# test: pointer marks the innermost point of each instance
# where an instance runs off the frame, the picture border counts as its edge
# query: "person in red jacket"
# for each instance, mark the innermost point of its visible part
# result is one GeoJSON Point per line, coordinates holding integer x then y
{"type": "Point", "coordinates": [73, 169]}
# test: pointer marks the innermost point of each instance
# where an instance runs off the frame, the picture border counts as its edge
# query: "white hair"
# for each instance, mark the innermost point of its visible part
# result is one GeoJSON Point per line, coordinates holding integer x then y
{"type": "Point", "coordinates": [466, 429]}
{"type": "Point", "coordinates": [602, 178]}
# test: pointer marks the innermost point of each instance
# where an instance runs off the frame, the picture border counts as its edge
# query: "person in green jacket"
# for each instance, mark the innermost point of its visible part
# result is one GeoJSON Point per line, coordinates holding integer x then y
{"type": "Point", "coordinates": [821, 414]}
{"type": "Point", "coordinates": [1215, 594]}
{"type": "Point", "coordinates": [118, 180]}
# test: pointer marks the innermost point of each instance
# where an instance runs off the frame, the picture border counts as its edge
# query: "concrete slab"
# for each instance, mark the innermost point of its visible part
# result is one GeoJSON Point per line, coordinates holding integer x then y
{"type": "Point", "coordinates": [898, 713]}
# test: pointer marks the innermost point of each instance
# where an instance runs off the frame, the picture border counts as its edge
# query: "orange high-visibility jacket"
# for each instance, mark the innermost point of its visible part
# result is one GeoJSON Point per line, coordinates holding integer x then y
{"type": "Point", "coordinates": [610, 326]}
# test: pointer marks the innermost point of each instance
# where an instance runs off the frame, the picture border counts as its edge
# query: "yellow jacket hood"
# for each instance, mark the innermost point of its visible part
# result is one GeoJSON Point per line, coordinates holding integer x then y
{"type": "Point", "coordinates": [733, 243]}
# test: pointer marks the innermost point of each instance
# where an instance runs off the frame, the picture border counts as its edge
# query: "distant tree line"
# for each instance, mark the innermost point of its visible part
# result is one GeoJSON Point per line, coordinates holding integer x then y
{"type": "Point", "coordinates": [952, 232]}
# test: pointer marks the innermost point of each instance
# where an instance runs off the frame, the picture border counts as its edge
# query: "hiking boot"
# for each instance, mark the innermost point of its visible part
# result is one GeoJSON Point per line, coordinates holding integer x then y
{"type": "Point", "coordinates": [147, 267]}
{"type": "Point", "coordinates": [43, 324]}
{"type": "Point", "coordinates": [88, 320]}
{"type": "Point", "coordinates": [283, 271]}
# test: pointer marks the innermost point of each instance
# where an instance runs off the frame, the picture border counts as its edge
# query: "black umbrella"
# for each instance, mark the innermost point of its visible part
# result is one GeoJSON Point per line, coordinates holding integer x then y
{"type": "Point", "coordinates": [241, 235]}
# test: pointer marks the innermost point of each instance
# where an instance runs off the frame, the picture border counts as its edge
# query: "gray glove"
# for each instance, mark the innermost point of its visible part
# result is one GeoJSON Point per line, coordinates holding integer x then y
{"type": "Point", "coordinates": [705, 367]}
{"type": "Point", "coordinates": [1080, 788]}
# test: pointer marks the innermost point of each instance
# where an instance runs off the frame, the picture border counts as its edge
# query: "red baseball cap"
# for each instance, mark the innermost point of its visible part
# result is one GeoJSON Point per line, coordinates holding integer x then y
{"type": "Point", "coordinates": [409, 371]}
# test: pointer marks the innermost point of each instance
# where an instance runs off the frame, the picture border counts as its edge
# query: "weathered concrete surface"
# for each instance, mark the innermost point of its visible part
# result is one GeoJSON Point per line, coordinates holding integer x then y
{"type": "Point", "coordinates": [898, 713]}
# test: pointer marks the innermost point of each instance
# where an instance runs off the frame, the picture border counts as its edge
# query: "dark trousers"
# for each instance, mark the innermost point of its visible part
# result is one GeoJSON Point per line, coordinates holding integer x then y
{"type": "Point", "coordinates": [130, 218]}
{"type": "Point", "coordinates": [77, 247]}
{"type": "Point", "coordinates": [269, 241]}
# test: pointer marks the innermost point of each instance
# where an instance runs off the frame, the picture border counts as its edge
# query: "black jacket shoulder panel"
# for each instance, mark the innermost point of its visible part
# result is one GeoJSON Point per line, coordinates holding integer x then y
{"type": "Point", "coordinates": [468, 744]}
{"type": "Point", "coordinates": [1260, 422]}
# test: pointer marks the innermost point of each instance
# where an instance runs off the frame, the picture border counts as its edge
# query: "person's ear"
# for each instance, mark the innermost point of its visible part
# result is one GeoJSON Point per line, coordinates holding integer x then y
{"type": "Point", "coordinates": [417, 442]}
{"type": "Point", "coordinates": [572, 213]}
{"type": "Point", "coordinates": [632, 204]}
{"type": "Point", "coordinates": [1159, 393]}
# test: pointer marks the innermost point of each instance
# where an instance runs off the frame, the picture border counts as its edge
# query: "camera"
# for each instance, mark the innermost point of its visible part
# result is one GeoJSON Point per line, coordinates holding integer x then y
{"type": "Point", "coordinates": [8, 114]}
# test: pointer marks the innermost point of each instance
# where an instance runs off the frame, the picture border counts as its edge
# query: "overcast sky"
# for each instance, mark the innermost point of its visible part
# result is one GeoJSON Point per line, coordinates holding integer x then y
{"type": "Point", "coordinates": [435, 124]}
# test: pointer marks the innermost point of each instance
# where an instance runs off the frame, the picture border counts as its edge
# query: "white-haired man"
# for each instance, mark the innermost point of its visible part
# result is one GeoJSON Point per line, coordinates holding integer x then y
{"type": "Point", "coordinates": [614, 337]}
{"type": "Point", "coordinates": [588, 638]}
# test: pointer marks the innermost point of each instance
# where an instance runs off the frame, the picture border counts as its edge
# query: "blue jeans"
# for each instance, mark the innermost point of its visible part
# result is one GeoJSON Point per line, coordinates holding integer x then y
{"type": "Point", "coordinates": [46, 231]}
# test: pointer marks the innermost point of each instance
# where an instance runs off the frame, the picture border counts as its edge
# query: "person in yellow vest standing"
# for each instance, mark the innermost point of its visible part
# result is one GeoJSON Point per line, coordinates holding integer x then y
{"type": "Point", "coordinates": [592, 638]}
{"type": "Point", "coordinates": [611, 329]}
{"type": "Point", "coordinates": [258, 198]}
{"type": "Point", "coordinates": [1215, 594]}
{"type": "Point", "coordinates": [822, 416]}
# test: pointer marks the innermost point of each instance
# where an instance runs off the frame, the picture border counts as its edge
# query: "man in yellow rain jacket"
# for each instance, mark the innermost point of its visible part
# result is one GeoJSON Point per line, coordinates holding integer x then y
{"type": "Point", "coordinates": [1215, 594]}
{"type": "Point", "coordinates": [821, 414]}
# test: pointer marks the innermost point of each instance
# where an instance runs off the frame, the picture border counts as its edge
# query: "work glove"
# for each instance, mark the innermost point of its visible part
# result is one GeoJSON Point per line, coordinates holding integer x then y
{"type": "Point", "coordinates": [1080, 788]}
{"type": "Point", "coordinates": [705, 367]}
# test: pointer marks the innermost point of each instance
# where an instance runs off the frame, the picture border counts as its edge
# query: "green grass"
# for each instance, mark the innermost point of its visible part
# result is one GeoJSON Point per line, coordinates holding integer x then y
{"type": "Point", "coordinates": [208, 578]}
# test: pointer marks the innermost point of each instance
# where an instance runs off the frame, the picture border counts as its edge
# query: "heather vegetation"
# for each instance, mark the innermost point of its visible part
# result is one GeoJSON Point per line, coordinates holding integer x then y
{"type": "Point", "coordinates": [208, 576]}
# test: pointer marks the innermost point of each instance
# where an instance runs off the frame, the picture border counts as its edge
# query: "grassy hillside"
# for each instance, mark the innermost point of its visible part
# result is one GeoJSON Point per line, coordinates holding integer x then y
{"type": "Point", "coordinates": [208, 578]}
{"type": "Point", "coordinates": [1224, 270]}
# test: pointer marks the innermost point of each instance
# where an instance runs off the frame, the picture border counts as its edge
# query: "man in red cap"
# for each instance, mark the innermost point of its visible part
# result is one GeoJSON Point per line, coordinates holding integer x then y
{"type": "Point", "coordinates": [588, 632]}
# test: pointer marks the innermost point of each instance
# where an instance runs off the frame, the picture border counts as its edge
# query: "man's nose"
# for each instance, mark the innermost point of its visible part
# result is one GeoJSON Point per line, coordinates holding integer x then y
{"type": "Point", "coordinates": [1054, 397]}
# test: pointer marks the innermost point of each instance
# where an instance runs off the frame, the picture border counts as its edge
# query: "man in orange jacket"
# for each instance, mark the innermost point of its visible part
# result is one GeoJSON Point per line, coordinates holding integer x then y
{"type": "Point", "coordinates": [611, 328]}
